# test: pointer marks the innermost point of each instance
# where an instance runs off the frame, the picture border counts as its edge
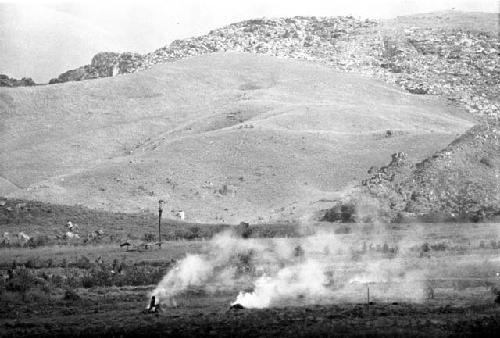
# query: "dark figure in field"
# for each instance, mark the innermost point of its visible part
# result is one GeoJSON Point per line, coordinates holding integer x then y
{"type": "Point", "coordinates": [496, 293]}
{"type": "Point", "coordinates": [429, 292]}
{"type": "Point", "coordinates": [299, 252]}
{"type": "Point", "coordinates": [153, 308]}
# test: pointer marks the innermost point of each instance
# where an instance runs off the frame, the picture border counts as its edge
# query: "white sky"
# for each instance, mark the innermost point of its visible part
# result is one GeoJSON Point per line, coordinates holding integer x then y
{"type": "Point", "coordinates": [41, 39]}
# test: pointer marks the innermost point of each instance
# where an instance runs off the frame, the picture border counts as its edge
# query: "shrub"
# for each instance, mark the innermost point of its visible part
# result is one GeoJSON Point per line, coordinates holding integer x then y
{"type": "Point", "coordinates": [243, 230]}
{"type": "Point", "coordinates": [342, 213]}
{"type": "Point", "coordinates": [22, 281]}
{"type": "Point", "coordinates": [83, 263]}
{"type": "Point", "coordinates": [35, 242]}
{"type": "Point", "coordinates": [184, 233]}
{"type": "Point", "coordinates": [88, 281]}
{"type": "Point", "coordinates": [71, 295]}
{"type": "Point", "coordinates": [33, 263]}
{"type": "Point", "coordinates": [139, 275]}
{"type": "Point", "coordinates": [149, 237]}
{"type": "Point", "coordinates": [487, 162]}
{"type": "Point", "coordinates": [439, 247]}
{"type": "Point", "coordinates": [36, 296]}
{"type": "Point", "coordinates": [57, 281]}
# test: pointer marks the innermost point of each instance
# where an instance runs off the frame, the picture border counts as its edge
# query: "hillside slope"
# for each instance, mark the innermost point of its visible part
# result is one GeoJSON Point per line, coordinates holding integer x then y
{"type": "Point", "coordinates": [458, 183]}
{"type": "Point", "coordinates": [222, 136]}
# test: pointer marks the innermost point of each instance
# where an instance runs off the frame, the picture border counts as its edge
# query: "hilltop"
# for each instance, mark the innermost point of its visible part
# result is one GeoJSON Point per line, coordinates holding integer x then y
{"type": "Point", "coordinates": [435, 53]}
{"type": "Point", "coordinates": [225, 136]}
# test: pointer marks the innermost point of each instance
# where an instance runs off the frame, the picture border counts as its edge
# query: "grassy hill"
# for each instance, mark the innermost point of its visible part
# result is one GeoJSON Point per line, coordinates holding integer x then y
{"type": "Point", "coordinates": [224, 137]}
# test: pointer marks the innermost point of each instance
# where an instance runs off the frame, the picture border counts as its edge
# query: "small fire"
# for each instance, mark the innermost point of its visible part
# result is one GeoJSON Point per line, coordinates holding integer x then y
{"type": "Point", "coordinates": [306, 279]}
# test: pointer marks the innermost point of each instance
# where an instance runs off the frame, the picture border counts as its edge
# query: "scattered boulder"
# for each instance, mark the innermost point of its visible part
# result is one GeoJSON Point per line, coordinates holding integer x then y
{"type": "Point", "coordinates": [71, 235]}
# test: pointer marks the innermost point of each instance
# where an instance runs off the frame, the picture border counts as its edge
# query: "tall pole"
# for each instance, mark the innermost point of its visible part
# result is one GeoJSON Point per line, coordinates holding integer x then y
{"type": "Point", "coordinates": [160, 211]}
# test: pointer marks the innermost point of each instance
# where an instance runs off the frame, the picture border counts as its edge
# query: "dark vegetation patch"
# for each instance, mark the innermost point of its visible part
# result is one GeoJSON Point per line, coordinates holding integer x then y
{"type": "Point", "coordinates": [45, 224]}
{"type": "Point", "coordinates": [6, 81]}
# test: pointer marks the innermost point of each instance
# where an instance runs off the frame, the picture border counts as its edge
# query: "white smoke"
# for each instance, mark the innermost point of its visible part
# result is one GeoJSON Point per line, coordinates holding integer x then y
{"type": "Point", "coordinates": [193, 270]}
{"type": "Point", "coordinates": [320, 268]}
{"type": "Point", "coordinates": [302, 280]}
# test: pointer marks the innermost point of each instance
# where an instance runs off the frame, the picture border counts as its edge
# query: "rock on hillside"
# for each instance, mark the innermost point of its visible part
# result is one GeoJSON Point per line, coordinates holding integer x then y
{"type": "Point", "coordinates": [460, 182]}
{"type": "Point", "coordinates": [6, 81]}
{"type": "Point", "coordinates": [103, 65]}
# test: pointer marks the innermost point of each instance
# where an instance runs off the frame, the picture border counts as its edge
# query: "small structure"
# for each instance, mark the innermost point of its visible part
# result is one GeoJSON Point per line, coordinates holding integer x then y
{"type": "Point", "coordinates": [236, 306]}
{"type": "Point", "coordinates": [73, 227]}
{"type": "Point", "coordinates": [126, 245]}
{"type": "Point", "coordinates": [153, 307]}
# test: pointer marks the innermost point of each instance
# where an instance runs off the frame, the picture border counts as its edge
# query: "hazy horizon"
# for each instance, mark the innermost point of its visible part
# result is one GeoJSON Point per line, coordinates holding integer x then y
{"type": "Point", "coordinates": [43, 39]}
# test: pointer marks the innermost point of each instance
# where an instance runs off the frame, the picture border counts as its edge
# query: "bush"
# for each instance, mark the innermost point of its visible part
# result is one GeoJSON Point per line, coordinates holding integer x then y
{"type": "Point", "coordinates": [33, 263]}
{"type": "Point", "coordinates": [57, 281]}
{"type": "Point", "coordinates": [38, 241]}
{"type": "Point", "coordinates": [83, 263]}
{"type": "Point", "coordinates": [184, 233]}
{"type": "Point", "coordinates": [439, 247]}
{"type": "Point", "coordinates": [22, 281]}
{"type": "Point", "coordinates": [149, 237]}
{"type": "Point", "coordinates": [88, 281]}
{"type": "Point", "coordinates": [342, 213]}
{"type": "Point", "coordinates": [243, 230]}
{"type": "Point", "coordinates": [38, 296]}
{"type": "Point", "coordinates": [71, 295]}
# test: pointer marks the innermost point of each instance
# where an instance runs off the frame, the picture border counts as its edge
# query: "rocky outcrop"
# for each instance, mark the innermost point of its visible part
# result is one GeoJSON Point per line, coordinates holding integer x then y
{"type": "Point", "coordinates": [458, 183]}
{"type": "Point", "coordinates": [6, 81]}
{"type": "Point", "coordinates": [104, 64]}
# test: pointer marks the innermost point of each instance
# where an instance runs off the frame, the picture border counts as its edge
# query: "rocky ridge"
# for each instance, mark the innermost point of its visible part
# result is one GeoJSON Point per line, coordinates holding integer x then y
{"type": "Point", "coordinates": [462, 65]}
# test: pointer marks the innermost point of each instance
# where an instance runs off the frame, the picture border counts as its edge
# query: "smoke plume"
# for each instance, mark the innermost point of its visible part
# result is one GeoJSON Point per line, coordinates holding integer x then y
{"type": "Point", "coordinates": [320, 268]}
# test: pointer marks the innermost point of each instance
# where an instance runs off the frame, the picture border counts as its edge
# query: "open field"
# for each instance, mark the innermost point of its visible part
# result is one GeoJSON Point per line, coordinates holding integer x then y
{"type": "Point", "coordinates": [84, 296]}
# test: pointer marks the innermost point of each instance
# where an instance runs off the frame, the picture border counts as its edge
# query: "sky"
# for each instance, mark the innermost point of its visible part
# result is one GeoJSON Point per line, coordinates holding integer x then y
{"type": "Point", "coordinates": [41, 39]}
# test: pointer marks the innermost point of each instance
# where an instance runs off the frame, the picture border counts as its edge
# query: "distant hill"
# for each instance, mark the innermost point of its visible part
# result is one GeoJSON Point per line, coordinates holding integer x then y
{"type": "Point", "coordinates": [224, 136]}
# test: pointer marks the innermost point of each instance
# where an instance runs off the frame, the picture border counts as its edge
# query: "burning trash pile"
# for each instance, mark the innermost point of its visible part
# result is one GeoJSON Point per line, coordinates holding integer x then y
{"type": "Point", "coordinates": [317, 269]}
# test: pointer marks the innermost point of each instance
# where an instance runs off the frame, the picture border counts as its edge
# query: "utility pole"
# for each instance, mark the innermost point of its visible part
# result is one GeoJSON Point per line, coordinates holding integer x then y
{"type": "Point", "coordinates": [368, 294]}
{"type": "Point", "coordinates": [160, 211]}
